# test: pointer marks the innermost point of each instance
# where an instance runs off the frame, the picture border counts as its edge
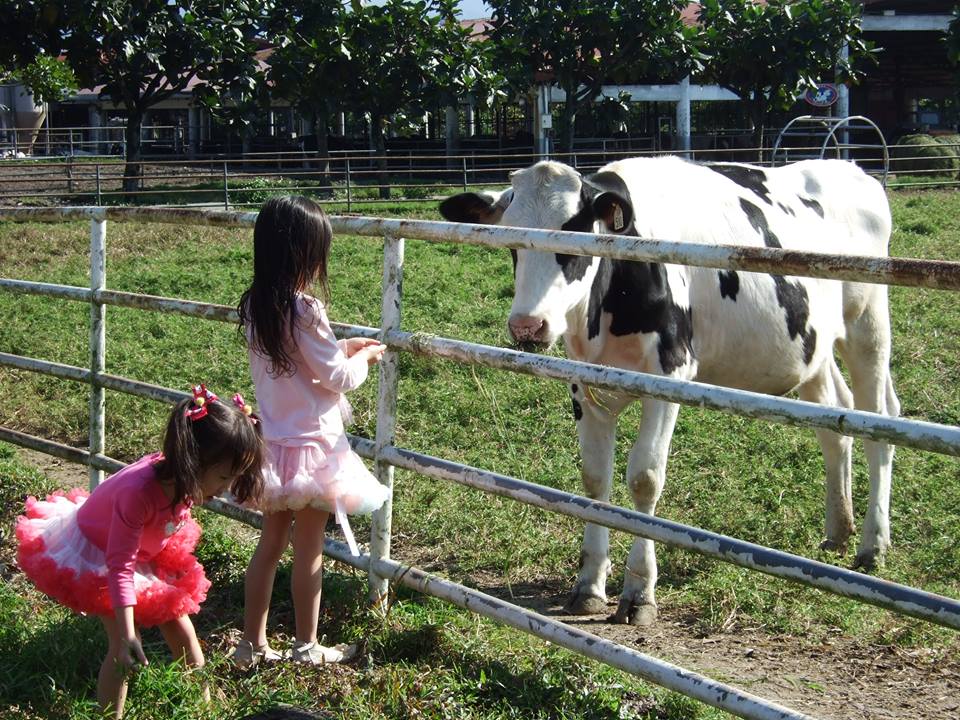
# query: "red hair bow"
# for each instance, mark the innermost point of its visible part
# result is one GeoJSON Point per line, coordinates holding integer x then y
{"type": "Point", "coordinates": [201, 399]}
{"type": "Point", "coordinates": [243, 407]}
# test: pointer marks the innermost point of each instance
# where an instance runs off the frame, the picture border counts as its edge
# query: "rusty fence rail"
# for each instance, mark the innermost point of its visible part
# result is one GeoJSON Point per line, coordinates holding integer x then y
{"type": "Point", "coordinates": [382, 450]}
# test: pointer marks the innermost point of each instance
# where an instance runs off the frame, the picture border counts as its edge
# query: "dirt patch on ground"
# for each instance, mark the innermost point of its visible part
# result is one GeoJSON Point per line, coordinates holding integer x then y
{"type": "Point", "coordinates": [839, 678]}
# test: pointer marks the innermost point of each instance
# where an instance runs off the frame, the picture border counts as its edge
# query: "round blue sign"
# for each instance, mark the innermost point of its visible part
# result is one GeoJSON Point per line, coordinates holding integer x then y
{"type": "Point", "coordinates": [823, 95]}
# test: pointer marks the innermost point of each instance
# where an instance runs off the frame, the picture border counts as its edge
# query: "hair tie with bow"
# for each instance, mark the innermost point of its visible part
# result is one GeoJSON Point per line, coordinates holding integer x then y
{"type": "Point", "coordinates": [202, 398]}
{"type": "Point", "coordinates": [243, 407]}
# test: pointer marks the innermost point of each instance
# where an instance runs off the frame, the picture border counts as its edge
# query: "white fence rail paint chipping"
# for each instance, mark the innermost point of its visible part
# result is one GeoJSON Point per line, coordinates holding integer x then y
{"type": "Point", "coordinates": [939, 438]}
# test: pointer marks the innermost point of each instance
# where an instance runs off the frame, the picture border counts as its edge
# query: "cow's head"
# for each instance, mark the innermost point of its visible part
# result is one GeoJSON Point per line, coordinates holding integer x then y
{"type": "Point", "coordinates": [549, 196]}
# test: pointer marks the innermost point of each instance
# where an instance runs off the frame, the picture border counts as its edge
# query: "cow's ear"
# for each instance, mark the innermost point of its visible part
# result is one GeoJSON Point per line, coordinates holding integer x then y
{"type": "Point", "coordinates": [614, 211]}
{"type": "Point", "coordinates": [611, 200]}
{"type": "Point", "coordinates": [470, 207]}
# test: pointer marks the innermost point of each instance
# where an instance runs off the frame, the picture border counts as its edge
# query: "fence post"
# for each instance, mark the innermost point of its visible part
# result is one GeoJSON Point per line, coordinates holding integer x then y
{"type": "Point", "coordinates": [99, 198]}
{"type": "Point", "coordinates": [380, 527]}
{"type": "Point", "coordinates": [226, 190]}
{"type": "Point", "coordinates": [348, 183]}
{"type": "Point", "coordinates": [70, 175]}
{"type": "Point", "coordinates": [98, 280]}
{"type": "Point", "coordinates": [464, 173]}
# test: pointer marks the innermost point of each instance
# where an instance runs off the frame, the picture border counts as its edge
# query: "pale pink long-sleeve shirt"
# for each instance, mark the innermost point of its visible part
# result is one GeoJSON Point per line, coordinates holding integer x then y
{"type": "Point", "coordinates": [129, 517]}
{"type": "Point", "coordinates": [303, 407]}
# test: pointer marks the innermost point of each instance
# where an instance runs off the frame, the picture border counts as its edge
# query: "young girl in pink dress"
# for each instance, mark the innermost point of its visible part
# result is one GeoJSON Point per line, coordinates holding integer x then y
{"type": "Point", "coordinates": [300, 371]}
{"type": "Point", "coordinates": [125, 551]}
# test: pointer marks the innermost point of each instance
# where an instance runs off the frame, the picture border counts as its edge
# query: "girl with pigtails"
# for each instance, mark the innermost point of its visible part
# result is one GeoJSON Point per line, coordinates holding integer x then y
{"type": "Point", "coordinates": [124, 552]}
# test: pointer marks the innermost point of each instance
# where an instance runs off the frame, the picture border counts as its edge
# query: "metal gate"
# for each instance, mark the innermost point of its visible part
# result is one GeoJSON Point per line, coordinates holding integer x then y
{"type": "Point", "coordinates": [383, 570]}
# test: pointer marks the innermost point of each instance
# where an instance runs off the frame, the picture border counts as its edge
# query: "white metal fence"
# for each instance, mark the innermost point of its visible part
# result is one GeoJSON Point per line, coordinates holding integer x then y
{"type": "Point", "coordinates": [382, 570]}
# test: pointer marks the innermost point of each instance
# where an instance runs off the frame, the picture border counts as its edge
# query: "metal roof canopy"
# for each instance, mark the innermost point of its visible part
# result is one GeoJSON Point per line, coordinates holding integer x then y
{"type": "Point", "coordinates": [815, 127]}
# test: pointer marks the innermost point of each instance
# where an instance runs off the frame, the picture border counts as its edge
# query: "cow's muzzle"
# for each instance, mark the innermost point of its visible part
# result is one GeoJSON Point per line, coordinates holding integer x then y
{"type": "Point", "coordinates": [528, 329]}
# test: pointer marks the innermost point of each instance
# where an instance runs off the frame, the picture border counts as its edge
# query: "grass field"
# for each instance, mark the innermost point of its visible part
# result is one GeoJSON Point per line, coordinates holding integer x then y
{"type": "Point", "coordinates": [749, 479]}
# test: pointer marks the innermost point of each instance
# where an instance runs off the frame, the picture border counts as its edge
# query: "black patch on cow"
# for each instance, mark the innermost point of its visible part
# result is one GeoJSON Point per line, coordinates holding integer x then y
{"type": "Point", "coordinates": [793, 298]}
{"type": "Point", "coordinates": [601, 282]}
{"type": "Point", "coordinates": [573, 388]}
{"type": "Point", "coordinates": [584, 219]}
{"type": "Point", "coordinates": [574, 266]}
{"type": "Point", "coordinates": [809, 345]}
{"type": "Point", "coordinates": [759, 221]}
{"type": "Point", "coordinates": [637, 297]}
{"type": "Point", "coordinates": [577, 410]}
{"type": "Point", "coordinates": [813, 205]}
{"type": "Point", "coordinates": [729, 284]}
{"type": "Point", "coordinates": [787, 209]}
{"type": "Point", "coordinates": [751, 178]}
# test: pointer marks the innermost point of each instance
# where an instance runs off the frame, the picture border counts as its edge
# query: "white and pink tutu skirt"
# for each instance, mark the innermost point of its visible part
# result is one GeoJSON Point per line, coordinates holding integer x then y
{"type": "Point", "coordinates": [307, 475]}
{"type": "Point", "coordinates": [55, 554]}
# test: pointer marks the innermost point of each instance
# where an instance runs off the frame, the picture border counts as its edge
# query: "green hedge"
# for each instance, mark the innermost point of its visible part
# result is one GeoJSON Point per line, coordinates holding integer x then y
{"type": "Point", "coordinates": [923, 154]}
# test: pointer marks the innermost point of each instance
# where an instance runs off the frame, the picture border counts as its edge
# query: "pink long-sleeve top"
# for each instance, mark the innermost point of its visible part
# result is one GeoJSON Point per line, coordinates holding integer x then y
{"type": "Point", "coordinates": [303, 407]}
{"type": "Point", "coordinates": [129, 517]}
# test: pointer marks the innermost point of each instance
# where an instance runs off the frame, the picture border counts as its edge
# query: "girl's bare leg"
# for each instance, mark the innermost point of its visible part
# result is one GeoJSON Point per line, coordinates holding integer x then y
{"type": "Point", "coordinates": [112, 678]}
{"type": "Point", "coordinates": [258, 585]}
{"type": "Point", "coordinates": [307, 579]}
{"type": "Point", "coordinates": [182, 640]}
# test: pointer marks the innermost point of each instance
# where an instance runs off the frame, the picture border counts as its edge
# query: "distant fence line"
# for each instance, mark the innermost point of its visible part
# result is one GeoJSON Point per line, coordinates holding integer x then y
{"type": "Point", "coordinates": [940, 438]}
{"type": "Point", "coordinates": [354, 180]}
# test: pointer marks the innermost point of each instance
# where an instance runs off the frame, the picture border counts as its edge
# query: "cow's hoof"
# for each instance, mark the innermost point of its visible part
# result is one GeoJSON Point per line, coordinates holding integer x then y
{"type": "Point", "coordinates": [840, 548]}
{"type": "Point", "coordinates": [629, 613]}
{"type": "Point", "coordinates": [868, 560]}
{"type": "Point", "coordinates": [581, 603]}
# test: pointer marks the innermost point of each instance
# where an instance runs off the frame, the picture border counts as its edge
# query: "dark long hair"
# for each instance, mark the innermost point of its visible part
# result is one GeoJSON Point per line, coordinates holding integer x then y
{"type": "Point", "coordinates": [224, 434]}
{"type": "Point", "coordinates": [291, 242]}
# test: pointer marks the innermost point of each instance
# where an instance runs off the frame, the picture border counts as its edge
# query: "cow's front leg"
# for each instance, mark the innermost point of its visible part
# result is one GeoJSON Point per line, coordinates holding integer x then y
{"type": "Point", "coordinates": [646, 470]}
{"type": "Point", "coordinates": [596, 430]}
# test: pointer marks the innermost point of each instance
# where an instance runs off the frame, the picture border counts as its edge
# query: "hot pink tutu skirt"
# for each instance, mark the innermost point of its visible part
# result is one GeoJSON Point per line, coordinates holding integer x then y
{"type": "Point", "coordinates": [62, 563]}
{"type": "Point", "coordinates": [307, 475]}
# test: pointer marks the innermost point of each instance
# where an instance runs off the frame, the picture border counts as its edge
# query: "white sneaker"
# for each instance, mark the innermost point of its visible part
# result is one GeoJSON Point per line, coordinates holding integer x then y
{"type": "Point", "coordinates": [245, 655]}
{"type": "Point", "coordinates": [317, 654]}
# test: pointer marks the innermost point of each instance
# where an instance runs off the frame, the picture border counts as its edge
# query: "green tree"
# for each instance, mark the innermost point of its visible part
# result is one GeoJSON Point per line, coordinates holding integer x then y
{"type": "Point", "coordinates": [769, 53]}
{"type": "Point", "coordinates": [405, 56]}
{"type": "Point", "coordinates": [47, 78]}
{"type": "Point", "coordinates": [309, 64]}
{"type": "Point", "coordinates": [581, 45]}
{"type": "Point", "coordinates": [142, 51]}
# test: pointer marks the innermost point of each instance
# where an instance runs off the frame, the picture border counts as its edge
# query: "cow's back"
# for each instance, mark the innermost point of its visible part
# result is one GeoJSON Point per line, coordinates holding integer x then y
{"type": "Point", "coordinates": [849, 197]}
{"type": "Point", "coordinates": [826, 206]}
{"type": "Point", "coordinates": [754, 330]}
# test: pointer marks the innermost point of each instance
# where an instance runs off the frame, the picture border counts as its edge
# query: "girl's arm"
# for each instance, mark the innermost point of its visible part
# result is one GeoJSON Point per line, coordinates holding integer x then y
{"type": "Point", "coordinates": [130, 513]}
{"type": "Point", "coordinates": [326, 358]}
{"type": "Point", "coordinates": [131, 651]}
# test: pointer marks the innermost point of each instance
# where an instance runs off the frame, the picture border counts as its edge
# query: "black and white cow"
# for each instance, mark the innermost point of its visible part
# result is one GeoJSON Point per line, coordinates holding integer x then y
{"type": "Point", "coordinates": [767, 333]}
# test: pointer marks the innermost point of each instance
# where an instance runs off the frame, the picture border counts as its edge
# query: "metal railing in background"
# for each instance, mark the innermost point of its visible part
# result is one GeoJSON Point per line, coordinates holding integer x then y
{"type": "Point", "coordinates": [939, 438]}
{"type": "Point", "coordinates": [355, 180]}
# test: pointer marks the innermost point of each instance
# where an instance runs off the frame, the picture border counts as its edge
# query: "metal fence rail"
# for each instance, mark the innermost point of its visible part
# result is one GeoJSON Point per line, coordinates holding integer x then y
{"type": "Point", "coordinates": [940, 438]}
{"type": "Point", "coordinates": [355, 178]}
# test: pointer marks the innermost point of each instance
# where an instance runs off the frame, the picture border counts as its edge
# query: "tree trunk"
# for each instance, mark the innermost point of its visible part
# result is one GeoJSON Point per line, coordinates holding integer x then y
{"type": "Point", "coordinates": [132, 169]}
{"type": "Point", "coordinates": [321, 128]}
{"type": "Point", "coordinates": [567, 121]}
{"type": "Point", "coordinates": [758, 114]}
{"type": "Point", "coordinates": [377, 123]}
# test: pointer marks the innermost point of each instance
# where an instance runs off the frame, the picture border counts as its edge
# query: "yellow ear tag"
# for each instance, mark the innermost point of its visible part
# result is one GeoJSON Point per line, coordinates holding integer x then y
{"type": "Point", "coordinates": [617, 217]}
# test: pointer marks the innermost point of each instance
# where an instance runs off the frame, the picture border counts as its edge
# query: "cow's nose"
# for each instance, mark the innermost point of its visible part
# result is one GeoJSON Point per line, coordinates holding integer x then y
{"type": "Point", "coordinates": [527, 328]}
